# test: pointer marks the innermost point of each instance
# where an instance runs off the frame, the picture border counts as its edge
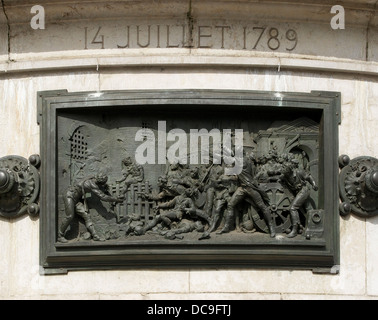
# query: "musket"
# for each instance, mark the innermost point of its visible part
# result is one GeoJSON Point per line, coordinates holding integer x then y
{"type": "Point", "coordinates": [207, 174]}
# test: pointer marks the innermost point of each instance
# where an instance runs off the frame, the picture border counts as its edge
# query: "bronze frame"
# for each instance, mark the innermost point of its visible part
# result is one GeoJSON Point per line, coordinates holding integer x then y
{"type": "Point", "coordinates": [321, 255]}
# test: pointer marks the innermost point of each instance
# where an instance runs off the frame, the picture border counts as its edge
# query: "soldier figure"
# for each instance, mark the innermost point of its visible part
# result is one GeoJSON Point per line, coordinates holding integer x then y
{"type": "Point", "coordinates": [298, 181]}
{"type": "Point", "coordinates": [175, 176]}
{"type": "Point", "coordinates": [184, 226]}
{"type": "Point", "coordinates": [224, 187]}
{"type": "Point", "coordinates": [178, 206]}
{"type": "Point", "coordinates": [75, 202]}
{"type": "Point", "coordinates": [214, 172]}
{"type": "Point", "coordinates": [164, 191]}
{"type": "Point", "coordinates": [132, 173]}
{"type": "Point", "coordinates": [249, 188]}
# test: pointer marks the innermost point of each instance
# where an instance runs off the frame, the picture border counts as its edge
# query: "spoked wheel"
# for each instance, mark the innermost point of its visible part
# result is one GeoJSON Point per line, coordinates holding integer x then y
{"type": "Point", "coordinates": [280, 199]}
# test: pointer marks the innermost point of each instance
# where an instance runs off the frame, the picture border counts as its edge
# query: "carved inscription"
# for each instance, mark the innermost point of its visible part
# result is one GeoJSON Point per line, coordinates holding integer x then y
{"type": "Point", "coordinates": [258, 37]}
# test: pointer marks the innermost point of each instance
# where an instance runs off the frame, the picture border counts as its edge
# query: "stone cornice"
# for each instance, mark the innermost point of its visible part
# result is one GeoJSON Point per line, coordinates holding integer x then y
{"type": "Point", "coordinates": [361, 12]}
{"type": "Point", "coordinates": [99, 60]}
{"type": "Point", "coordinates": [74, 31]}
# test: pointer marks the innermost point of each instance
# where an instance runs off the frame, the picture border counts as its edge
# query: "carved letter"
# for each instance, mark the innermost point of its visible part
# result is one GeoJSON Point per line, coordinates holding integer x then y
{"type": "Point", "coordinates": [200, 35]}
{"type": "Point", "coordinates": [245, 38]}
{"type": "Point", "coordinates": [186, 43]}
{"type": "Point", "coordinates": [149, 37]}
{"type": "Point", "coordinates": [168, 44]}
{"type": "Point", "coordinates": [128, 39]}
{"type": "Point", "coordinates": [158, 36]}
{"type": "Point", "coordinates": [222, 28]}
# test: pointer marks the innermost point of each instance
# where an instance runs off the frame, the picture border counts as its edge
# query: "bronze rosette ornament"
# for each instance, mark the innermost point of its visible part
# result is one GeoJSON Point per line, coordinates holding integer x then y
{"type": "Point", "coordinates": [358, 183]}
{"type": "Point", "coordinates": [19, 186]}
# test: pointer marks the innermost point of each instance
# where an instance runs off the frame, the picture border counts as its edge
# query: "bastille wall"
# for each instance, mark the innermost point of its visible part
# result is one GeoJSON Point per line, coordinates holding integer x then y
{"type": "Point", "coordinates": [233, 45]}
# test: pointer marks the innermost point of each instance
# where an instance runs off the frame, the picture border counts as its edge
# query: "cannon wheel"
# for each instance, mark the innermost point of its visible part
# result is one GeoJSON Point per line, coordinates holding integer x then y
{"type": "Point", "coordinates": [280, 199]}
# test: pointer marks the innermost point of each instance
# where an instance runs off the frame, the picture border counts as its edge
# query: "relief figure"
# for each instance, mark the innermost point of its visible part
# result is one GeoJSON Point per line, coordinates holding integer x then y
{"type": "Point", "coordinates": [75, 202]}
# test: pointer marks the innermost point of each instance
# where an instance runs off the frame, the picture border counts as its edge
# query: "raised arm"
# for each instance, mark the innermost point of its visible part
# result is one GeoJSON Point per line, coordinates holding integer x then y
{"type": "Point", "coordinates": [168, 204]}
{"type": "Point", "coordinates": [103, 196]}
{"type": "Point", "coordinates": [311, 180]}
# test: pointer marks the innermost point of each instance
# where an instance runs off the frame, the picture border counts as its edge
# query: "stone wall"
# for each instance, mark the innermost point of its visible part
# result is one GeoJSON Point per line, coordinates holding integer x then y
{"type": "Point", "coordinates": [56, 58]}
